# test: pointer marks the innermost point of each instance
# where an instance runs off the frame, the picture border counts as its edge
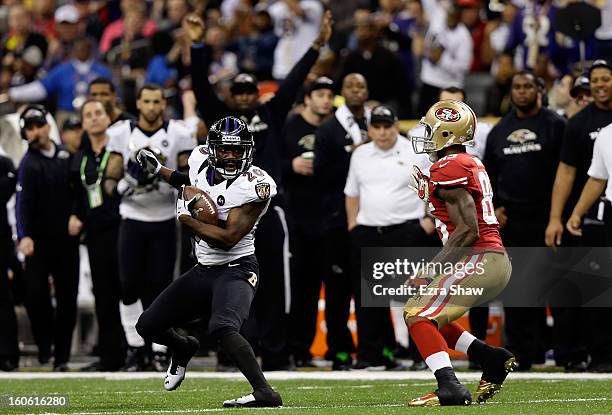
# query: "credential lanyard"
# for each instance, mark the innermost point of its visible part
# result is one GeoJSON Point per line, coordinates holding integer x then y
{"type": "Point", "coordinates": [94, 191]}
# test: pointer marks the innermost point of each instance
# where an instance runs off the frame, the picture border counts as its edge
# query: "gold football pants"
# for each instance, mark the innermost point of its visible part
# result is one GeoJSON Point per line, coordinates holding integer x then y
{"type": "Point", "coordinates": [477, 279]}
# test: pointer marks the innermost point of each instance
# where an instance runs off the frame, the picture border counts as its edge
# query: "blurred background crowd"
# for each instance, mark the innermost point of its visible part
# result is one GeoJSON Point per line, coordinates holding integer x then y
{"type": "Point", "coordinates": [408, 52]}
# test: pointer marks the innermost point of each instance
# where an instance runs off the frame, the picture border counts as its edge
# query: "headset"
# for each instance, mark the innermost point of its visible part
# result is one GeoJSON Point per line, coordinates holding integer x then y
{"type": "Point", "coordinates": [22, 117]}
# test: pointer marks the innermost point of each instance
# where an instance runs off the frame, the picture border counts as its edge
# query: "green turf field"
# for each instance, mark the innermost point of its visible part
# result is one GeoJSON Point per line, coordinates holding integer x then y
{"type": "Point", "coordinates": [201, 395]}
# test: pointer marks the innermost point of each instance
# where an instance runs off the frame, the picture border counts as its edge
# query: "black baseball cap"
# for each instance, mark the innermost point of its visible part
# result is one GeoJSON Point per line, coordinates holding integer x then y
{"type": "Point", "coordinates": [581, 83]}
{"type": "Point", "coordinates": [383, 114]}
{"type": "Point", "coordinates": [600, 63]}
{"type": "Point", "coordinates": [72, 123]}
{"type": "Point", "coordinates": [244, 82]}
{"type": "Point", "coordinates": [322, 82]}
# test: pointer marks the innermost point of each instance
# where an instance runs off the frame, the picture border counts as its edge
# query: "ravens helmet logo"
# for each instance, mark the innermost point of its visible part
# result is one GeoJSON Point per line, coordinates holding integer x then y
{"type": "Point", "coordinates": [522, 136]}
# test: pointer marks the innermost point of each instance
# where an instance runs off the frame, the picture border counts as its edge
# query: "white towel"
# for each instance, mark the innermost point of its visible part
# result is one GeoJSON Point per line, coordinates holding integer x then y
{"type": "Point", "coordinates": [347, 121]}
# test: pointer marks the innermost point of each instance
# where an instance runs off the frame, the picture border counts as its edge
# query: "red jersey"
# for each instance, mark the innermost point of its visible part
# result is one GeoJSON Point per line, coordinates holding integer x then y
{"type": "Point", "coordinates": [466, 171]}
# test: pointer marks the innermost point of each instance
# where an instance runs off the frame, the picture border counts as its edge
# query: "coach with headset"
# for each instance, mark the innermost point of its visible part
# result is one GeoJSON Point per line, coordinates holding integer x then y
{"type": "Point", "coordinates": [44, 203]}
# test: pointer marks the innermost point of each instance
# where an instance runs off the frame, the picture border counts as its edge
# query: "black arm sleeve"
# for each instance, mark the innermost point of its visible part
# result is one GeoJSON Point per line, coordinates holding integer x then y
{"type": "Point", "coordinates": [178, 179]}
{"type": "Point", "coordinates": [209, 105]}
{"type": "Point", "coordinates": [569, 145]}
{"type": "Point", "coordinates": [288, 90]}
{"type": "Point", "coordinates": [285, 152]}
{"type": "Point", "coordinates": [329, 166]}
{"type": "Point", "coordinates": [26, 198]}
{"type": "Point", "coordinates": [8, 179]}
{"type": "Point", "coordinates": [79, 195]}
{"type": "Point", "coordinates": [491, 165]}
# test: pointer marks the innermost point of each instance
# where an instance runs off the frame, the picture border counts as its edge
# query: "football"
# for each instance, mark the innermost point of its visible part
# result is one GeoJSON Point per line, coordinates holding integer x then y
{"type": "Point", "coordinates": [206, 209]}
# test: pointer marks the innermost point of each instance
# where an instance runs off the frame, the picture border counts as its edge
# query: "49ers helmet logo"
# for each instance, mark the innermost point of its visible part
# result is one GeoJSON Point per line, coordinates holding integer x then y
{"type": "Point", "coordinates": [448, 115]}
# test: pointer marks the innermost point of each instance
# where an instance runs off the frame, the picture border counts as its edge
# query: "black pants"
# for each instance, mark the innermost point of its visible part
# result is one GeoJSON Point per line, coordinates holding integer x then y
{"type": "Point", "coordinates": [599, 319]}
{"type": "Point", "coordinates": [106, 288]}
{"type": "Point", "coordinates": [428, 96]}
{"type": "Point", "coordinates": [60, 258]}
{"type": "Point", "coordinates": [267, 329]}
{"type": "Point", "coordinates": [374, 325]}
{"type": "Point", "coordinates": [222, 292]}
{"type": "Point", "coordinates": [569, 333]}
{"type": "Point", "coordinates": [338, 291]}
{"type": "Point", "coordinates": [147, 251]}
{"type": "Point", "coordinates": [9, 348]}
{"type": "Point", "coordinates": [479, 320]}
{"type": "Point", "coordinates": [315, 260]}
{"type": "Point", "coordinates": [187, 258]}
{"type": "Point", "coordinates": [526, 330]}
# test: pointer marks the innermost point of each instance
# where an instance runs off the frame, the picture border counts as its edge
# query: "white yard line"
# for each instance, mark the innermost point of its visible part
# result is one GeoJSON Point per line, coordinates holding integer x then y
{"type": "Point", "coordinates": [314, 375]}
{"type": "Point", "coordinates": [316, 407]}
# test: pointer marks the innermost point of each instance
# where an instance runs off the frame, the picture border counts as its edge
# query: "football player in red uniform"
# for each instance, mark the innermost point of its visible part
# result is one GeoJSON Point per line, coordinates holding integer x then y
{"type": "Point", "coordinates": [459, 196]}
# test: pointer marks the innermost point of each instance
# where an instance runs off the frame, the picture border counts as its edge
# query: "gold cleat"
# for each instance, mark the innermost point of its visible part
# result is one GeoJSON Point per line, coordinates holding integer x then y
{"type": "Point", "coordinates": [456, 395]}
{"type": "Point", "coordinates": [427, 400]}
{"type": "Point", "coordinates": [486, 390]}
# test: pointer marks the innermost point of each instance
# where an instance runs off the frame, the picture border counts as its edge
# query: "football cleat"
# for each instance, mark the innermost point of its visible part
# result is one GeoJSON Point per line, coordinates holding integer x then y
{"type": "Point", "coordinates": [447, 395]}
{"type": "Point", "coordinates": [496, 366]}
{"type": "Point", "coordinates": [178, 364]}
{"type": "Point", "coordinates": [136, 360]}
{"type": "Point", "coordinates": [450, 393]}
{"type": "Point", "coordinates": [430, 399]}
{"type": "Point", "coordinates": [266, 398]}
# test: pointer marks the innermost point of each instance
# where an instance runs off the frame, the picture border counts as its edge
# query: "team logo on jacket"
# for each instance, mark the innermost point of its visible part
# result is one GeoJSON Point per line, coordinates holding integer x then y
{"type": "Point", "coordinates": [262, 190]}
{"type": "Point", "coordinates": [63, 154]}
{"type": "Point", "coordinates": [522, 136]}
{"type": "Point", "coordinates": [448, 115]}
{"type": "Point", "coordinates": [307, 142]}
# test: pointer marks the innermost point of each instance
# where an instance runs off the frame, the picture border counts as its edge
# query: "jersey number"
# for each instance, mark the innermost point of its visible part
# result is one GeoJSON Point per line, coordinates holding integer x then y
{"type": "Point", "coordinates": [252, 175]}
{"type": "Point", "coordinates": [488, 212]}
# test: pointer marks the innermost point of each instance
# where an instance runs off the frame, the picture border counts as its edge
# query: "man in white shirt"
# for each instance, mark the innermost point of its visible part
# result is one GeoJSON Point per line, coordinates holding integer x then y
{"type": "Point", "coordinates": [448, 56]}
{"type": "Point", "coordinates": [382, 210]}
{"type": "Point", "coordinates": [297, 24]}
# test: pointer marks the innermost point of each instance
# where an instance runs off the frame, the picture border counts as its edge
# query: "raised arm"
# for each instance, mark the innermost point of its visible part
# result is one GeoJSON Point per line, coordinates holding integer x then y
{"type": "Point", "coordinates": [289, 88]}
{"type": "Point", "coordinates": [210, 106]}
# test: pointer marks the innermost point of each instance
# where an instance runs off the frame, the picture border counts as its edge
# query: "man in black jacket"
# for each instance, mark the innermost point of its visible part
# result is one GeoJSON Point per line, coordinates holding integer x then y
{"type": "Point", "coordinates": [304, 217]}
{"type": "Point", "coordinates": [9, 350]}
{"type": "Point", "coordinates": [335, 141]}
{"type": "Point", "coordinates": [43, 208]}
{"type": "Point", "coordinates": [576, 155]}
{"type": "Point", "coordinates": [521, 158]}
{"type": "Point", "coordinates": [265, 121]}
{"type": "Point", "coordinates": [99, 213]}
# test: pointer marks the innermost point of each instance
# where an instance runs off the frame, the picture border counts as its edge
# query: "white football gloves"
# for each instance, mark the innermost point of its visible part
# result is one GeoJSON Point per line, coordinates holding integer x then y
{"type": "Point", "coordinates": [148, 162]}
{"type": "Point", "coordinates": [186, 207]}
{"type": "Point", "coordinates": [127, 185]}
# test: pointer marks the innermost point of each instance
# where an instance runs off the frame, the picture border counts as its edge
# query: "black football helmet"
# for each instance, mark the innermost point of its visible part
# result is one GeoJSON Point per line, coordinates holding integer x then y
{"type": "Point", "coordinates": [230, 133]}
